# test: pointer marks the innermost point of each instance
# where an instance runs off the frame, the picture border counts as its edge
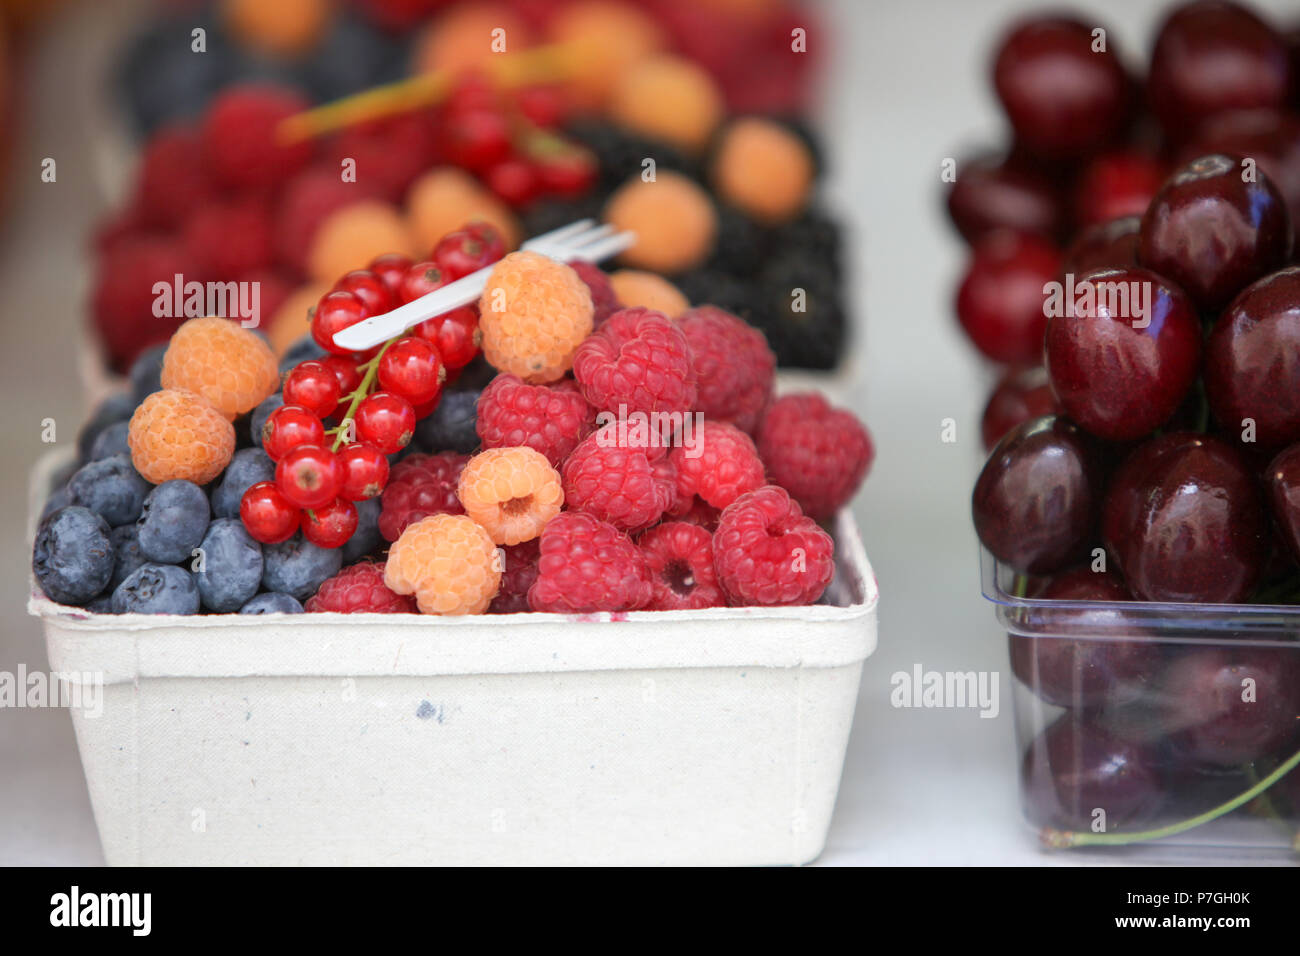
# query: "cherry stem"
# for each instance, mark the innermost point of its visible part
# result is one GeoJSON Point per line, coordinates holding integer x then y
{"type": "Point", "coordinates": [360, 392]}
{"type": "Point", "coordinates": [1065, 839]}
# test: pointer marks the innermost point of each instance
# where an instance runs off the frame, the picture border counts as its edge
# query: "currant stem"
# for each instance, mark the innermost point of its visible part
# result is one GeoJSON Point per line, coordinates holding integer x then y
{"type": "Point", "coordinates": [1064, 839]}
{"type": "Point", "coordinates": [361, 391]}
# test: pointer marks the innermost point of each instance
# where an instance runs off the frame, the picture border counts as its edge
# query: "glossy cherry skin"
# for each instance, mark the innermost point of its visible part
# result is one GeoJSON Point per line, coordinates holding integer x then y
{"type": "Point", "coordinates": [1269, 137]}
{"type": "Point", "coordinates": [1211, 723]}
{"type": "Point", "coordinates": [1075, 768]}
{"type": "Point", "coordinates": [1107, 245]}
{"type": "Point", "coordinates": [1098, 668]}
{"type": "Point", "coordinates": [1213, 233]}
{"type": "Point", "coordinates": [1210, 57]}
{"type": "Point", "coordinates": [1035, 503]}
{"type": "Point", "coordinates": [1063, 99]}
{"type": "Point", "coordinates": [1022, 394]}
{"type": "Point", "coordinates": [1000, 299]}
{"type": "Point", "coordinates": [1119, 368]}
{"type": "Point", "coordinates": [1184, 522]}
{"type": "Point", "coordinates": [1282, 486]}
{"type": "Point", "coordinates": [1115, 185]}
{"type": "Point", "coordinates": [994, 194]}
{"type": "Point", "coordinates": [1252, 362]}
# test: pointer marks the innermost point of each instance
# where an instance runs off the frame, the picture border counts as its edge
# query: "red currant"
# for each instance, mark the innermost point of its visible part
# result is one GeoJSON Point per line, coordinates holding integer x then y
{"type": "Point", "coordinates": [454, 334]}
{"type": "Point", "coordinates": [288, 427]}
{"type": "Point", "coordinates": [369, 288]}
{"type": "Point", "coordinates": [490, 236]}
{"type": "Point", "coordinates": [473, 90]}
{"type": "Point", "coordinates": [420, 279]}
{"type": "Point", "coordinates": [385, 421]}
{"type": "Point", "coordinates": [544, 106]}
{"type": "Point", "coordinates": [268, 515]}
{"type": "Point", "coordinates": [514, 180]}
{"type": "Point", "coordinates": [365, 471]}
{"type": "Point", "coordinates": [335, 312]}
{"type": "Point", "coordinates": [569, 174]}
{"type": "Point", "coordinates": [346, 371]}
{"type": "Point", "coordinates": [412, 369]}
{"type": "Point", "coordinates": [391, 269]}
{"type": "Point", "coordinates": [474, 138]}
{"type": "Point", "coordinates": [330, 526]}
{"type": "Point", "coordinates": [315, 387]}
{"type": "Point", "coordinates": [461, 252]}
{"type": "Point", "coordinates": [310, 476]}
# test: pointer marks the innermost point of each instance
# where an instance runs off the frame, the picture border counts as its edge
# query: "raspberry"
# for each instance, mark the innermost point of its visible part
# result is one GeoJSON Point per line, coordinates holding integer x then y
{"type": "Point", "coordinates": [673, 218]}
{"type": "Point", "coordinates": [639, 361]}
{"type": "Point", "coordinates": [123, 299]}
{"type": "Point", "coordinates": [603, 299]}
{"type": "Point", "coordinates": [719, 465]}
{"type": "Point", "coordinates": [419, 486]}
{"type": "Point", "coordinates": [551, 419]}
{"type": "Point", "coordinates": [680, 558]}
{"type": "Point", "coordinates": [634, 287]}
{"type": "Point", "coordinates": [177, 434]}
{"type": "Point", "coordinates": [700, 513]}
{"type": "Point", "coordinates": [229, 237]}
{"type": "Point", "coordinates": [733, 365]}
{"type": "Point", "coordinates": [512, 492]}
{"type": "Point", "coordinates": [534, 314]}
{"type": "Point", "coordinates": [448, 562]}
{"type": "Point", "coordinates": [360, 589]}
{"type": "Point", "coordinates": [767, 552]}
{"type": "Point", "coordinates": [240, 140]}
{"type": "Point", "coordinates": [587, 565]}
{"type": "Point", "coordinates": [818, 453]}
{"type": "Point", "coordinates": [629, 485]}
{"type": "Point", "coordinates": [232, 367]}
{"type": "Point", "coordinates": [307, 202]}
{"type": "Point", "coordinates": [172, 178]}
{"type": "Point", "coordinates": [517, 576]}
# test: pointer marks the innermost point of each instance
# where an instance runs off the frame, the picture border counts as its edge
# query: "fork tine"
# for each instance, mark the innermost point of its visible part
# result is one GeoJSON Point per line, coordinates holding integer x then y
{"type": "Point", "coordinates": [605, 247]}
{"type": "Point", "coordinates": [562, 234]}
{"type": "Point", "coordinates": [590, 237]}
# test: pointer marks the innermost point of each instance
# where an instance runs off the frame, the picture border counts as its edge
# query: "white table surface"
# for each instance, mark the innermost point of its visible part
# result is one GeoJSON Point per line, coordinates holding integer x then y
{"type": "Point", "coordinates": [909, 89]}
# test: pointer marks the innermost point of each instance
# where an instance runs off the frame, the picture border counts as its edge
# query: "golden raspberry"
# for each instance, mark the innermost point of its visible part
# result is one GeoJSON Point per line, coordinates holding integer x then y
{"type": "Point", "coordinates": [292, 320]}
{"type": "Point", "coordinates": [672, 217]}
{"type": "Point", "coordinates": [604, 37]}
{"type": "Point", "coordinates": [669, 98]}
{"type": "Point", "coordinates": [448, 562]}
{"type": "Point", "coordinates": [763, 169]}
{"type": "Point", "coordinates": [634, 287]}
{"type": "Point", "coordinates": [352, 235]}
{"type": "Point", "coordinates": [445, 199]}
{"type": "Point", "coordinates": [511, 492]}
{"type": "Point", "coordinates": [175, 434]}
{"type": "Point", "coordinates": [285, 28]}
{"type": "Point", "coordinates": [230, 366]}
{"type": "Point", "coordinates": [534, 314]}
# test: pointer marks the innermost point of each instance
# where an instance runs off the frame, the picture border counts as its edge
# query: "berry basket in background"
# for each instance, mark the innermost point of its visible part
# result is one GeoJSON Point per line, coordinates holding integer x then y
{"type": "Point", "coordinates": [713, 736]}
{"type": "Point", "coordinates": [1147, 724]}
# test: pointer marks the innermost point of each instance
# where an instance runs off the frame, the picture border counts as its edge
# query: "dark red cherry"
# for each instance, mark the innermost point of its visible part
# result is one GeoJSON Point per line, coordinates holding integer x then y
{"type": "Point", "coordinates": [1282, 485]}
{"type": "Point", "coordinates": [1064, 90]}
{"type": "Point", "coordinates": [1123, 352]}
{"type": "Point", "coordinates": [1271, 138]}
{"type": "Point", "coordinates": [1213, 232]}
{"type": "Point", "coordinates": [994, 194]}
{"type": "Point", "coordinates": [1095, 668]}
{"type": "Point", "coordinates": [1074, 769]}
{"type": "Point", "coordinates": [1107, 245]}
{"type": "Point", "coordinates": [1184, 522]}
{"type": "Point", "coordinates": [1210, 57]}
{"type": "Point", "coordinates": [1115, 185]}
{"type": "Point", "coordinates": [1000, 299]}
{"type": "Point", "coordinates": [1229, 706]}
{"type": "Point", "coordinates": [1252, 363]}
{"type": "Point", "coordinates": [1021, 394]}
{"type": "Point", "coordinates": [1035, 504]}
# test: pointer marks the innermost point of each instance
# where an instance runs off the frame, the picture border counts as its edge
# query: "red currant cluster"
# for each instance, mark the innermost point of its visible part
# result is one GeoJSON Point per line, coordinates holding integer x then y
{"type": "Point", "coordinates": [345, 413]}
{"type": "Point", "coordinates": [509, 141]}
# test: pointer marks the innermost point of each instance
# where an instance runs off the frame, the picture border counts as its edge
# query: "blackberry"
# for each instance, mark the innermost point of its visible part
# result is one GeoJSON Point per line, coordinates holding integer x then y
{"type": "Point", "coordinates": [110, 487]}
{"type": "Point", "coordinates": [231, 572]}
{"type": "Point", "coordinates": [173, 522]}
{"type": "Point", "coordinates": [157, 589]}
{"type": "Point", "coordinates": [711, 287]}
{"type": "Point", "coordinates": [451, 426]}
{"type": "Point", "coordinates": [272, 602]}
{"type": "Point", "coordinates": [73, 555]}
{"type": "Point", "coordinates": [814, 236]}
{"type": "Point", "coordinates": [742, 244]}
{"type": "Point", "coordinates": [812, 337]}
{"type": "Point", "coordinates": [551, 214]}
{"type": "Point", "coordinates": [621, 154]}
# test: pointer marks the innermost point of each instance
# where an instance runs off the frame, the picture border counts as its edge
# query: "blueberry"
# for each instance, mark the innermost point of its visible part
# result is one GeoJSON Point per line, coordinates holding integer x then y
{"type": "Point", "coordinates": [173, 521]}
{"type": "Point", "coordinates": [260, 414]}
{"type": "Point", "coordinates": [164, 78]}
{"type": "Point", "coordinates": [272, 602]}
{"type": "Point", "coordinates": [126, 553]}
{"type": "Point", "coordinates": [157, 589]}
{"type": "Point", "coordinates": [115, 408]}
{"type": "Point", "coordinates": [246, 468]}
{"type": "Point", "coordinates": [367, 537]}
{"type": "Point", "coordinates": [353, 56]}
{"type": "Point", "coordinates": [73, 556]}
{"type": "Point", "coordinates": [232, 566]}
{"type": "Point", "coordinates": [101, 605]}
{"type": "Point", "coordinates": [301, 351]}
{"type": "Point", "coordinates": [451, 425]}
{"type": "Point", "coordinates": [111, 441]}
{"type": "Point", "coordinates": [111, 487]}
{"type": "Point", "coordinates": [59, 498]}
{"type": "Point", "coordinates": [146, 372]}
{"type": "Point", "coordinates": [299, 567]}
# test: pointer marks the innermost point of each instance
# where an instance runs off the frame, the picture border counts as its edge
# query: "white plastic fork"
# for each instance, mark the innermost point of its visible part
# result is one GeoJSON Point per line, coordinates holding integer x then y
{"type": "Point", "coordinates": [583, 240]}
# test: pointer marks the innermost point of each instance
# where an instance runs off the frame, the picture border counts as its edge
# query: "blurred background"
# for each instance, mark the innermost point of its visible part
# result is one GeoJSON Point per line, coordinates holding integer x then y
{"type": "Point", "coordinates": [116, 95]}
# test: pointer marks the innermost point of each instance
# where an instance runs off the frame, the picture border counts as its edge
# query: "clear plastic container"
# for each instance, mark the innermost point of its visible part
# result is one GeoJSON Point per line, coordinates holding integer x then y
{"type": "Point", "coordinates": [1142, 724]}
